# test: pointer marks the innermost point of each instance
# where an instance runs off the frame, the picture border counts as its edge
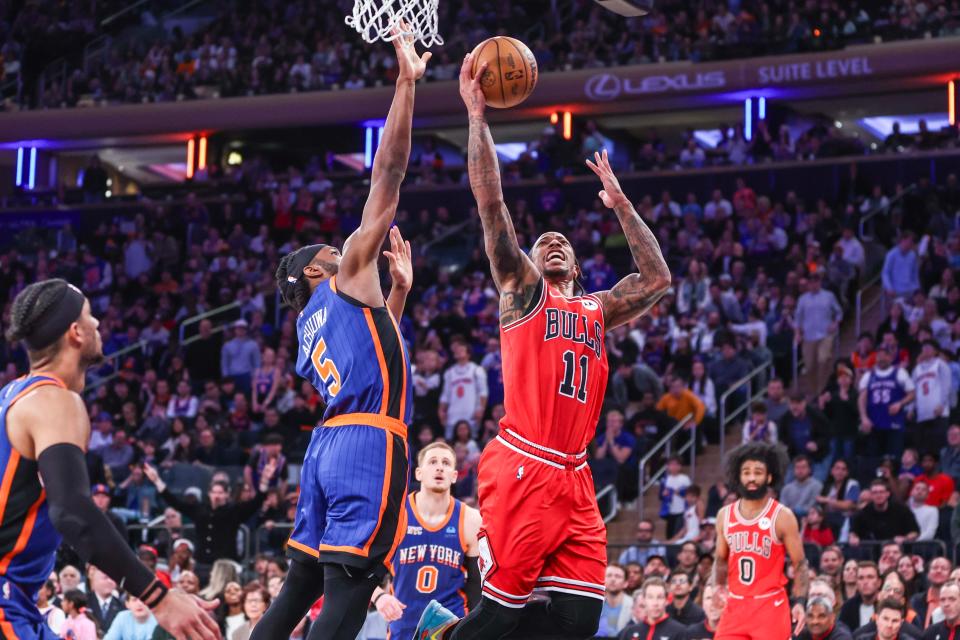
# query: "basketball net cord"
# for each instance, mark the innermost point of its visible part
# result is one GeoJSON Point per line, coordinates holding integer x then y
{"type": "Point", "coordinates": [376, 19]}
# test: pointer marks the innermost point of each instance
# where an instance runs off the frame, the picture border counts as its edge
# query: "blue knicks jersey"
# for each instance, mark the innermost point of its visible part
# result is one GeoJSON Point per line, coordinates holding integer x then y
{"type": "Point", "coordinates": [882, 391]}
{"type": "Point", "coordinates": [28, 539]}
{"type": "Point", "coordinates": [430, 565]}
{"type": "Point", "coordinates": [354, 356]}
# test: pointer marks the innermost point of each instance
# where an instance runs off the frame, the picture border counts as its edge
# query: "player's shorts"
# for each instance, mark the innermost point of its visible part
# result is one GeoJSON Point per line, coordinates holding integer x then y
{"type": "Point", "coordinates": [542, 528]}
{"type": "Point", "coordinates": [759, 618]}
{"type": "Point", "coordinates": [352, 490]}
{"type": "Point", "coordinates": [19, 617]}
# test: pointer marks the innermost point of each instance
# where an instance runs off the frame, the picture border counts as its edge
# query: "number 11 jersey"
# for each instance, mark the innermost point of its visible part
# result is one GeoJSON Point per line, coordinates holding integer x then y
{"type": "Point", "coordinates": [555, 371]}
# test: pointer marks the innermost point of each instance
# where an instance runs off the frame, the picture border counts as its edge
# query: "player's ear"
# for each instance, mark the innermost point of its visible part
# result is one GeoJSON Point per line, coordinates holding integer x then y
{"type": "Point", "coordinates": [417, 474]}
{"type": "Point", "coordinates": [454, 475]}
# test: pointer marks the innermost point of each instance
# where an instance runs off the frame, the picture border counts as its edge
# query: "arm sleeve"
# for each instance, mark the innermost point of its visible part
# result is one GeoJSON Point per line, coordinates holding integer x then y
{"type": "Point", "coordinates": [472, 588]}
{"type": "Point", "coordinates": [86, 528]}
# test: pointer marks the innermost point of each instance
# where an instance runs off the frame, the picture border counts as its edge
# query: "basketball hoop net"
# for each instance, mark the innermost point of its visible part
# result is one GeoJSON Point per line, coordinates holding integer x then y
{"type": "Point", "coordinates": [376, 20]}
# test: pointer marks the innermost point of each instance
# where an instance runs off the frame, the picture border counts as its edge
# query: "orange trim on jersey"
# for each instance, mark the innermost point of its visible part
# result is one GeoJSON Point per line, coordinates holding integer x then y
{"type": "Point", "coordinates": [57, 382]}
{"type": "Point", "coordinates": [25, 532]}
{"type": "Point", "coordinates": [398, 537]}
{"type": "Point", "coordinates": [357, 551]}
{"type": "Point", "coordinates": [12, 463]}
{"type": "Point", "coordinates": [7, 628]}
{"type": "Point", "coordinates": [384, 373]}
{"type": "Point", "coordinates": [394, 426]}
{"type": "Point", "coordinates": [387, 477]}
{"type": "Point", "coordinates": [333, 284]}
{"type": "Point", "coordinates": [403, 357]}
{"type": "Point", "coordinates": [462, 530]}
{"type": "Point", "coordinates": [302, 547]}
{"type": "Point", "coordinates": [446, 518]}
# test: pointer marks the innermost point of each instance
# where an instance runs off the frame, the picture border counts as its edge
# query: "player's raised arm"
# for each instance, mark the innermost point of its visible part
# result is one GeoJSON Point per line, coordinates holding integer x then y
{"type": "Point", "coordinates": [513, 272]}
{"type": "Point", "coordinates": [357, 274]}
{"type": "Point", "coordinates": [636, 293]}
{"type": "Point", "coordinates": [788, 530]}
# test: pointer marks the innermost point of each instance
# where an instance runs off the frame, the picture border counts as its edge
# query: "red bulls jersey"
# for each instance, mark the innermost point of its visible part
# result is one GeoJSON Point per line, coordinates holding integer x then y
{"type": "Point", "coordinates": [755, 563]}
{"type": "Point", "coordinates": [555, 371]}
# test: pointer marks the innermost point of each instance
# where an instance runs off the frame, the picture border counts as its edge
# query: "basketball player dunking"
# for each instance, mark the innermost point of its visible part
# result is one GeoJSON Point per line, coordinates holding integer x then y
{"type": "Point", "coordinates": [437, 559]}
{"type": "Point", "coordinates": [541, 525]}
{"type": "Point", "coordinates": [44, 431]}
{"type": "Point", "coordinates": [350, 514]}
{"type": "Point", "coordinates": [755, 534]}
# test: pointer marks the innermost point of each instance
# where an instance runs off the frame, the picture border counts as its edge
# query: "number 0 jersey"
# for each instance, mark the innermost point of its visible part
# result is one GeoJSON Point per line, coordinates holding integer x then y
{"type": "Point", "coordinates": [555, 371]}
{"type": "Point", "coordinates": [430, 565]}
{"type": "Point", "coordinates": [755, 564]}
{"type": "Point", "coordinates": [354, 356]}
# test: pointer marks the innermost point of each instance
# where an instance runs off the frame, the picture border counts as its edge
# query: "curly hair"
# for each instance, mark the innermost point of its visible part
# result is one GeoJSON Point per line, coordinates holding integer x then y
{"type": "Point", "coordinates": [773, 456]}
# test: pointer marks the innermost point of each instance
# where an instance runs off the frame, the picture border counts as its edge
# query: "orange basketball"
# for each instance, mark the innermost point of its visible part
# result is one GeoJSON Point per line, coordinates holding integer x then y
{"type": "Point", "coordinates": [511, 73]}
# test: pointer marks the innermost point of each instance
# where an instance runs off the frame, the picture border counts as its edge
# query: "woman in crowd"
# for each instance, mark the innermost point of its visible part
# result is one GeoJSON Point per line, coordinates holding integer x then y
{"type": "Point", "coordinates": [78, 624]}
{"type": "Point", "coordinates": [266, 380]}
{"type": "Point", "coordinates": [838, 499]}
{"type": "Point", "coordinates": [255, 601]}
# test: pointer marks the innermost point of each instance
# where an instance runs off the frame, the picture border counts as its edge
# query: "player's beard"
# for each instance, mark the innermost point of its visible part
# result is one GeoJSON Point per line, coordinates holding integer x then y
{"type": "Point", "coordinates": [753, 494]}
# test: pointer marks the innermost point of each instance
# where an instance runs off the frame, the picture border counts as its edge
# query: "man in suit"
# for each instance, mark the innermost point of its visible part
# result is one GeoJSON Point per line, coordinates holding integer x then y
{"type": "Point", "coordinates": [103, 603]}
{"type": "Point", "coordinates": [859, 610]}
{"type": "Point", "coordinates": [950, 605]}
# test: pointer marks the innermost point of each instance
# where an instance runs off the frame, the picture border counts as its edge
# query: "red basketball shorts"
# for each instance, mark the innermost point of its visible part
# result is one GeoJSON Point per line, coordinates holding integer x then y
{"type": "Point", "coordinates": [763, 618]}
{"type": "Point", "coordinates": [541, 526]}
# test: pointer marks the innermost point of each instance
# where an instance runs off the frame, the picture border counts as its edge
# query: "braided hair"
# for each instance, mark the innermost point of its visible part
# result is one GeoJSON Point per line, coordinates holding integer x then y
{"type": "Point", "coordinates": [294, 288]}
{"type": "Point", "coordinates": [29, 308]}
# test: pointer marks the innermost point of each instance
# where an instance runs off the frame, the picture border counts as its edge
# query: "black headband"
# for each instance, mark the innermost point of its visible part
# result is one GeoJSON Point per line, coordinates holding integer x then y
{"type": "Point", "coordinates": [58, 319]}
{"type": "Point", "coordinates": [301, 259]}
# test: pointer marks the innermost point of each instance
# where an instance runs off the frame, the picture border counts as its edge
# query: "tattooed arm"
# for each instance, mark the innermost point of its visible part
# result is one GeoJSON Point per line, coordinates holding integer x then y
{"type": "Point", "coordinates": [513, 272]}
{"type": "Point", "coordinates": [634, 295]}
{"type": "Point", "coordinates": [788, 530]}
{"type": "Point", "coordinates": [357, 274]}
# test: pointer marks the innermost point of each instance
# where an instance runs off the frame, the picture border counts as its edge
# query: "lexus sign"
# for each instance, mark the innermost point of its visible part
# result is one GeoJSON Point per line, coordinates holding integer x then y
{"type": "Point", "coordinates": [605, 87]}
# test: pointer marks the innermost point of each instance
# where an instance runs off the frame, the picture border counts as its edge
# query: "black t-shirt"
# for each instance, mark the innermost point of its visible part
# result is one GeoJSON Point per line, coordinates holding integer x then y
{"type": "Point", "coordinates": [691, 613]}
{"type": "Point", "coordinates": [666, 629]}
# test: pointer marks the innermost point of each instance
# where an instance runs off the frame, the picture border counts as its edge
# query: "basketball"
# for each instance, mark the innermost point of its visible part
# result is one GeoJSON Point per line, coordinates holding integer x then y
{"type": "Point", "coordinates": [511, 73]}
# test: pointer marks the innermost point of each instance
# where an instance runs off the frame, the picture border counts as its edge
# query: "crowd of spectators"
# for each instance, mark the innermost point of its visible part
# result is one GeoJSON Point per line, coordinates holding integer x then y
{"type": "Point", "coordinates": [203, 440]}
{"type": "Point", "coordinates": [254, 48]}
{"type": "Point", "coordinates": [666, 590]}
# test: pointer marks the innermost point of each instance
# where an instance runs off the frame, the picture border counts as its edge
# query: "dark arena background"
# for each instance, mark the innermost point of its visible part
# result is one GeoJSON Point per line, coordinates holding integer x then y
{"type": "Point", "coordinates": [797, 160]}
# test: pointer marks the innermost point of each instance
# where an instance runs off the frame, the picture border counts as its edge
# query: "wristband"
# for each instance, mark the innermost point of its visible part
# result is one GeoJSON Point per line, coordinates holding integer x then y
{"type": "Point", "coordinates": [153, 594]}
{"type": "Point", "coordinates": [382, 593]}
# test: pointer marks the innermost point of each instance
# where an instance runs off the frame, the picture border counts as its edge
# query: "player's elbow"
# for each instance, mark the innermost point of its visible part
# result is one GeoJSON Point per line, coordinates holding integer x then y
{"type": "Point", "coordinates": [661, 282]}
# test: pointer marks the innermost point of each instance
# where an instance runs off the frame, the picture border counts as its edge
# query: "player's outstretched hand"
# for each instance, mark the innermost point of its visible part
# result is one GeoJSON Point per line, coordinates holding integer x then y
{"type": "Point", "coordinates": [612, 194]}
{"type": "Point", "coordinates": [799, 616]}
{"type": "Point", "coordinates": [412, 65]}
{"type": "Point", "coordinates": [470, 89]}
{"type": "Point", "coordinates": [401, 260]}
{"type": "Point", "coordinates": [390, 608]}
{"type": "Point", "coordinates": [186, 616]}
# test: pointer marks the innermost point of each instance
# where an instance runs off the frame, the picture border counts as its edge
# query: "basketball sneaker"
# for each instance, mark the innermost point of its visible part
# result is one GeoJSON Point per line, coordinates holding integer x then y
{"type": "Point", "coordinates": [434, 622]}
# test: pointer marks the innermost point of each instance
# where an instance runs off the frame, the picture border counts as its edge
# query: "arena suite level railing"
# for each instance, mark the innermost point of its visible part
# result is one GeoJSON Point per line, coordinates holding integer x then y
{"type": "Point", "coordinates": [112, 362]}
{"type": "Point", "coordinates": [753, 380]}
{"type": "Point", "coordinates": [661, 451]}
